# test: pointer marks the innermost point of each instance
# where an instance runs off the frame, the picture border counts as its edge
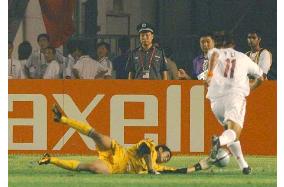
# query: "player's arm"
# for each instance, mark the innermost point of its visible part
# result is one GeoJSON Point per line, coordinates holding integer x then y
{"type": "Point", "coordinates": [254, 83]}
{"type": "Point", "coordinates": [211, 65]}
{"type": "Point", "coordinates": [201, 165]}
{"type": "Point", "coordinates": [255, 73]}
{"type": "Point", "coordinates": [145, 152]}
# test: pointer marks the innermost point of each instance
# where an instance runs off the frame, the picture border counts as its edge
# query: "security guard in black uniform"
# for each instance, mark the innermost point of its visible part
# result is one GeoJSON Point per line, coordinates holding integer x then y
{"type": "Point", "coordinates": [147, 61]}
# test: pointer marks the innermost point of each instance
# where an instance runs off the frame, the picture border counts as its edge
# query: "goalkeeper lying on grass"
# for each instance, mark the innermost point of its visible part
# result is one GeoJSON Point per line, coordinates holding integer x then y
{"type": "Point", "coordinates": [143, 157]}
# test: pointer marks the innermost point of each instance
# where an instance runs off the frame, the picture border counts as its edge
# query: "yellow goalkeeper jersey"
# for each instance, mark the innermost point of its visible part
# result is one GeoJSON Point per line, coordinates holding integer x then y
{"type": "Point", "coordinates": [137, 164]}
{"type": "Point", "coordinates": [127, 160]}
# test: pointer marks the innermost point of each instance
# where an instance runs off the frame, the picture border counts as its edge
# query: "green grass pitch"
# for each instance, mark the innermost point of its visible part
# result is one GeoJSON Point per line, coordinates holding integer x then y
{"type": "Point", "coordinates": [23, 172]}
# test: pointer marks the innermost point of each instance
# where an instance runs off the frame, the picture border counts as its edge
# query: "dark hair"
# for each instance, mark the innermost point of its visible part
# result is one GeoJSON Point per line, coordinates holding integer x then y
{"type": "Point", "coordinates": [165, 148]}
{"type": "Point", "coordinates": [51, 48]}
{"type": "Point", "coordinates": [43, 35]}
{"type": "Point", "coordinates": [106, 45]}
{"type": "Point", "coordinates": [124, 43]}
{"type": "Point", "coordinates": [77, 44]}
{"type": "Point", "coordinates": [228, 39]}
{"type": "Point", "coordinates": [218, 37]}
{"type": "Point", "coordinates": [255, 31]}
{"type": "Point", "coordinates": [24, 50]}
{"type": "Point", "coordinates": [204, 34]}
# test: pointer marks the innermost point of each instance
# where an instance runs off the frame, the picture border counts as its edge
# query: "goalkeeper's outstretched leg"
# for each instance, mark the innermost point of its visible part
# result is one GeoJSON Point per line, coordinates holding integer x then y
{"type": "Point", "coordinates": [103, 142]}
{"type": "Point", "coordinates": [97, 166]}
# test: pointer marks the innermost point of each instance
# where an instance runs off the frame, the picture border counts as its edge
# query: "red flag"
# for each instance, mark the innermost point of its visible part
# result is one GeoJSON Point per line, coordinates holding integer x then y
{"type": "Point", "coordinates": [57, 17]}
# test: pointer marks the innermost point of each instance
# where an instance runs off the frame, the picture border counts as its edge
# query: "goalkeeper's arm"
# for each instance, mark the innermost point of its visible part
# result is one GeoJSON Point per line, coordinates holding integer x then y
{"type": "Point", "coordinates": [201, 165]}
{"type": "Point", "coordinates": [145, 152]}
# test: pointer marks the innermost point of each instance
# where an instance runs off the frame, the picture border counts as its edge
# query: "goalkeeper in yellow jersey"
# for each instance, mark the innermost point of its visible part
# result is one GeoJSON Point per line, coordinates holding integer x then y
{"type": "Point", "coordinates": [143, 157]}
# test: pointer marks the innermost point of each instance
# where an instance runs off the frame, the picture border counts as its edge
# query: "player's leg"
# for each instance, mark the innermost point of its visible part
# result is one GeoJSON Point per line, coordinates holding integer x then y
{"type": "Point", "coordinates": [231, 116]}
{"type": "Point", "coordinates": [236, 149]}
{"type": "Point", "coordinates": [65, 164]}
{"type": "Point", "coordinates": [232, 133]}
{"type": "Point", "coordinates": [103, 142]}
{"type": "Point", "coordinates": [96, 167]}
{"type": "Point", "coordinates": [235, 107]}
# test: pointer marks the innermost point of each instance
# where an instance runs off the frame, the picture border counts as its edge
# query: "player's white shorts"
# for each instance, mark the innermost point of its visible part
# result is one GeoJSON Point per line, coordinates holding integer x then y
{"type": "Point", "coordinates": [230, 107]}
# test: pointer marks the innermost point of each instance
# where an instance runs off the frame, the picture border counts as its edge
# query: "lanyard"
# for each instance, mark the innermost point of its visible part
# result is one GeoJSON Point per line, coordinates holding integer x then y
{"type": "Point", "coordinates": [150, 60]}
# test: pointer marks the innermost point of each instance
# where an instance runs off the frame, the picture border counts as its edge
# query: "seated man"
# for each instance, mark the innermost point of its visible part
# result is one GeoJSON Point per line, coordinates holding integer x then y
{"type": "Point", "coordinates": [143, 157]}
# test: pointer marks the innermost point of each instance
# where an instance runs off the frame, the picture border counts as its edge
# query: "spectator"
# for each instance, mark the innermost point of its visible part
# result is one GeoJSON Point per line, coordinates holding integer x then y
{"type": "Point", "coordinates": [53, 69]}
{"type": "Point", "coordinates": [103, 50]}
{"type": "Point", "coordinates": [172, 67]}
{"type": "Point", "coordinates": [147, 61]}
{"type": "Point", "coordinates": [261, 56]}
{"type": "Point", "coordinates": [37, 64]}
{"type": "Point", "coordinates": [85, 67]}
{"type": "Point", "coordinates": [119, 62]}
{"type": "Point", "coordinates": [24, 52]}
{"type": "Point", "coordinates": [15, 70]}
{"type": "Point", "coordinates": [200, 63]}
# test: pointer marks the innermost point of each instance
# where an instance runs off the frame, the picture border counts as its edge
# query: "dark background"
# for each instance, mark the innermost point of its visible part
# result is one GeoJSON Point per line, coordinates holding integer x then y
{"type": "Point", "coordinates": [179, 23]}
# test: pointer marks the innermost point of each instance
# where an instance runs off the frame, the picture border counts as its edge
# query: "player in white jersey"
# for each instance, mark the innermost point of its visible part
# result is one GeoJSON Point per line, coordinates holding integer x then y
{"type": "Point", "coordinates": [228, 86]}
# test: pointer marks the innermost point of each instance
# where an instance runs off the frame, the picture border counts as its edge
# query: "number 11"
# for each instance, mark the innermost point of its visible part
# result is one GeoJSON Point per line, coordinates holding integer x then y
{"type": "Point", "coordinates": [230, 67]}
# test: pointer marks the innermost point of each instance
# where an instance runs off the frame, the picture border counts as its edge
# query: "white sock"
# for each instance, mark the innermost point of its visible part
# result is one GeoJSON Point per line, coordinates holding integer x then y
{"type": "Point", "coordinates": [227, 137]}
{"type": "Point", "coordinates": [236, 150]}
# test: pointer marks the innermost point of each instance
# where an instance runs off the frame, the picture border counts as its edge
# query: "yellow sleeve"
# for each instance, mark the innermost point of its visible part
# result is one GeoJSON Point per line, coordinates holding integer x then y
{"type": "Point", "coordinates": [158, 167]}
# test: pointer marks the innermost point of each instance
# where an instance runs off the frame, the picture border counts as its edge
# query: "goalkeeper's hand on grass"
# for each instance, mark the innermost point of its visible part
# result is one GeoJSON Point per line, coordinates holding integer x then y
{"type": "Point", "coordinates": [153, 172]}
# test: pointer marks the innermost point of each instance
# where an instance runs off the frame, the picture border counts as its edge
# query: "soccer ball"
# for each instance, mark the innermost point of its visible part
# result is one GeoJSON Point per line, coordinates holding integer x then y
{"type": "Point", "coordinates": [222, 158]}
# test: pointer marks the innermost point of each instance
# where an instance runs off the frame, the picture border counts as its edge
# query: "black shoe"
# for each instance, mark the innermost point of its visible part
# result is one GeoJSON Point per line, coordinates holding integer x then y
{"type": "Point", "coordinates": [247, 170]}
{"type": "Point", "coordinates": [215, 147]}
{"type": "Point", "coordinates": [44, 160]}
{"type": "Point", "coordinates": [57, 113]}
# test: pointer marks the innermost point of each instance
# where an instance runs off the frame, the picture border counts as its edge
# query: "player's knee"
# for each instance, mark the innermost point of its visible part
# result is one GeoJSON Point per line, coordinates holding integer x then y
{"type": "Point", "coordinates": [235, 127]}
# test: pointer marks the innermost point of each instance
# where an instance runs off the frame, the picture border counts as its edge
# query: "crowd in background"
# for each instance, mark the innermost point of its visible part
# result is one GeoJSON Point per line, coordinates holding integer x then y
{"type": "Point", "coordinates": [48, 62]}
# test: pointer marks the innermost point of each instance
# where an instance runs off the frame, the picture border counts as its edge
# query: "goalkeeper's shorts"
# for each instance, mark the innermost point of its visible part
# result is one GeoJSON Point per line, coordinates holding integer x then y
{"type": "Point", "coordinates": [116, 158]}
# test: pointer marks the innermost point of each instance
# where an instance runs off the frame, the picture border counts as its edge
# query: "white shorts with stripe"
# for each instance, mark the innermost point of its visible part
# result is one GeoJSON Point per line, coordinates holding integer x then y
{"type": "Point", "coordinates": [230, 107]}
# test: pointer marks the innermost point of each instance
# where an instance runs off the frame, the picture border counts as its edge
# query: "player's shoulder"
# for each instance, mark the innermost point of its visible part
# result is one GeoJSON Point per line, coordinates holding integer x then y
{"type": "Point", "coordinates": [212, 51]}
{"type": "Point", "coordinates": [148, 141]}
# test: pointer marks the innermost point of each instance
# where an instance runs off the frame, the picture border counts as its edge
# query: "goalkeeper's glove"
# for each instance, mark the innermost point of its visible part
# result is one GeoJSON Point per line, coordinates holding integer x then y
{"type": "Point", "coordinates": [153, 172]}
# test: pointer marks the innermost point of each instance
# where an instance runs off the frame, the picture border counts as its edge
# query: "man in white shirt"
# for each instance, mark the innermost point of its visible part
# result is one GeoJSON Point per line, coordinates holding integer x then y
{"type": "Point", "coordinates": [15, 70]}
{"type": "Point", "coordinates": [37, 64]}
{"type": "Point", "coordinates": [85, 67]}
{"type": "Point", "coordinates": [262, 57]}
{"type": "Point", "coordinates": [53, 69]}
{"type": "Point", "coordinates": [228, 87]}
{"type": "Point", "coordinates": [103, 49]}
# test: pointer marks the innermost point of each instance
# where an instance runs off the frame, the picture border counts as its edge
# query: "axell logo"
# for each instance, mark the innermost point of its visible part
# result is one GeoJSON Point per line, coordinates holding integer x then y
{"type": "Point", "coordinates": [117, 121]}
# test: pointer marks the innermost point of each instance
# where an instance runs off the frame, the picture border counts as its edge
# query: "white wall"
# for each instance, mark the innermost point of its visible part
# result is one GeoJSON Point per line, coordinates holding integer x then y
{"type": "Point", "coordinates": [33, 26]}
{"type": "Point", "coordinates": [139, 10]}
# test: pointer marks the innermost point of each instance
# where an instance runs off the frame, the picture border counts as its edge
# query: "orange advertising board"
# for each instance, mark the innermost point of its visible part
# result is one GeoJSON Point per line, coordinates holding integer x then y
{"type": "Point", "coordinates": [175, 113]}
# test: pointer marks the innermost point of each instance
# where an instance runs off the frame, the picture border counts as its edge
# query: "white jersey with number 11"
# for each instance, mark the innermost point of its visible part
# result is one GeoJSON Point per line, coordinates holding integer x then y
{"type": "Point", "coordinates": [230, 75]}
